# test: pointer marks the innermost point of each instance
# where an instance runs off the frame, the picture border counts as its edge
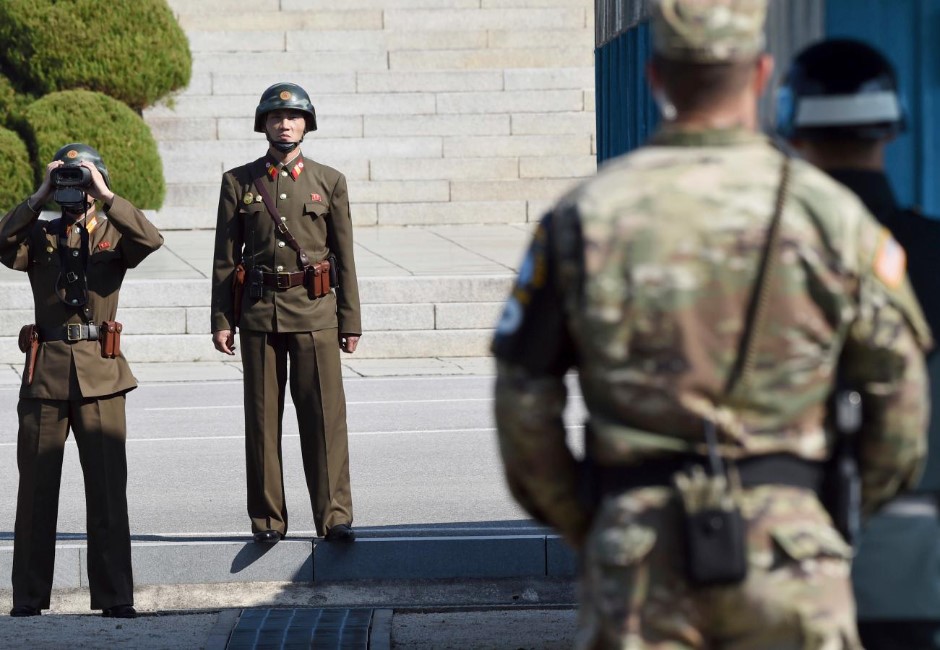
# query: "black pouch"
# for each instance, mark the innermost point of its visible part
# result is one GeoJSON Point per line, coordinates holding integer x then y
{"type": "Point", "coordinates": [255, 283]}
{"type": "Point", "coordinates": [715, 533]}
{"type": "Point", "coordinates": [334, 273]}
{"type": "Point", "coordinates": [716, 552]}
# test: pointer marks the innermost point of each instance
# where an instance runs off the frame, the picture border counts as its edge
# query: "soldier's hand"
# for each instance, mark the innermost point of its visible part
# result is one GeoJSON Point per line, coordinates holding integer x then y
{"type": "Point", "coordinates": [98, 189]}
{"type": "Point", "coordinates": [348, 342]}
{"type": "Point", "coordinates": [45, 189]}
{"type": "Point", "coordinates": [224, 341]}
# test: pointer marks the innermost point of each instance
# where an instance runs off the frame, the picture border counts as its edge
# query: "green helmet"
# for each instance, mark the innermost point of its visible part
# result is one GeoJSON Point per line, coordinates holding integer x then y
{"type": "Point", "coordinates": [76, 152]}
{"type": "Point", "coordinates": [285, 95]}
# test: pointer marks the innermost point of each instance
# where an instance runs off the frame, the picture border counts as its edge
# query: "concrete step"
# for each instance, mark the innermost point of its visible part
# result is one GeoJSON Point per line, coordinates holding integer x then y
{"type": "Point", "coordinates": [169, 348]}
{"type": "Point", "coordinates": [420, 103]}
{"type": "Point", "coordinates": [376, 317]}
{"type": "Point", "coordinates": [168, 320]}
{"type": "Point", "coordinates": [404, 290]}
{"type": "Point", "coordinates": [378, 40]}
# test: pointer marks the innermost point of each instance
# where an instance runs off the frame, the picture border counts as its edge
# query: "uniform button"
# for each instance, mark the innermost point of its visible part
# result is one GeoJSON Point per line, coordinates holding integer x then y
{"type": "Point", "coordinates": [281, 244]}
{"type": "Point", "coordinates": [282, 196]}
{"type": "Point", "coordinates": [284, 219]}
{"type": "Point", "coordinates": [49, 249]}
{"type": "Point", "coordinates": [74, 253]}
{"type": "Point", "coordinates": [283, 172]}
{"type": "Point", "coordinates": [279, 268]}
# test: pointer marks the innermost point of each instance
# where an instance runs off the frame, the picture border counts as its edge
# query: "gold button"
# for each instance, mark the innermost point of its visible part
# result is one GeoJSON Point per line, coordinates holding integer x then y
{"type": "Point", "coordinates": [283, 172]}
{"type": "Point", "coordinates": [49, 249]}
{"type": "Point", "coordinates": [279, 268]}
{"type": "Point", "coordinates": [281, 244]}
{"type": "Point", "coordinates": [282, 196]}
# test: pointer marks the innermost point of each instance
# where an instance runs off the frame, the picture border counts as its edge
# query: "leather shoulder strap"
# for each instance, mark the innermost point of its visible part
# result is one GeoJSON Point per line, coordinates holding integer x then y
{"type": "Point", "coordinates": [280, 225]}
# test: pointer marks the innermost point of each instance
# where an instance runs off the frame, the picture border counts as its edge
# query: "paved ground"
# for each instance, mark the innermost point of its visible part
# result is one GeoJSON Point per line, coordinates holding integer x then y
{"type": "Point", "coordinates": [535, 629]}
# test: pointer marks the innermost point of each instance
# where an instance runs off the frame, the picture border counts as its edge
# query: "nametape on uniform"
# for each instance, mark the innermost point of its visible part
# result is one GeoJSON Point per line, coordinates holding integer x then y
{"type": "Point", "coordinates": [890, 260]}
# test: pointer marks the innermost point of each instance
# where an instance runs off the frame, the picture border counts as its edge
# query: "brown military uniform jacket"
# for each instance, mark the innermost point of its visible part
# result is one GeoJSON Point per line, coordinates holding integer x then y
{"type": "Point", "coordinates": [313, 201]}
{"type": "Point", "coordinates": [121, 239]}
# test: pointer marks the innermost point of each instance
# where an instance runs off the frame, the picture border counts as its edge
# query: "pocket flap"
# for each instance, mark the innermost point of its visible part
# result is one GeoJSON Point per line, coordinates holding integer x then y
{"type": "Point", "coordinates": [106, 255]}
{"type": "Point", "coordinates": [314, 209]}
{"type": "Point", "coordinates": [806, 540]}
{"type": "Point", "coordinates": [251, 208]}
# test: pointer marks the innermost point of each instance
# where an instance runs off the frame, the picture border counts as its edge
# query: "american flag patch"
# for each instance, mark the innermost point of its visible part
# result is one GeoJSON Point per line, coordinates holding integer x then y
{"type": "Point", "coordinates": [890, 261]}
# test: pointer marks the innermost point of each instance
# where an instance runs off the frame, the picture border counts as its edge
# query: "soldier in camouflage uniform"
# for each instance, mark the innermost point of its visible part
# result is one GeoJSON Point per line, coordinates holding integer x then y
{"type": "Point", "coordinates": [644, 279]}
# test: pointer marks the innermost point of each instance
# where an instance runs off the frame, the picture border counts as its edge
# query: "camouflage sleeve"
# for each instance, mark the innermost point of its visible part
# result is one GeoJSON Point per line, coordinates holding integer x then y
{"type": "Point", "coordinates": [534, 350]}
{"type": "Point", "coordinates": [884, 358]}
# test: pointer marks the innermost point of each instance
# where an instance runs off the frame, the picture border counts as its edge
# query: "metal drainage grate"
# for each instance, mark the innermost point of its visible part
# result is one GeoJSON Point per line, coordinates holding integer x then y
{"type": "Point", "coordinates": [296, 629]}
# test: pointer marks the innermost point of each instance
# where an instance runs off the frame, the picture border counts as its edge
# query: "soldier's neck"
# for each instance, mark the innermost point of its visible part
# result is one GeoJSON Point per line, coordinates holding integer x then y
{"type": "Point", "coordinates": [284, 158]}
{"type": "Point", "coordinates": [736, 114]}
{"type": "Point", "coordinates": [88, 216]}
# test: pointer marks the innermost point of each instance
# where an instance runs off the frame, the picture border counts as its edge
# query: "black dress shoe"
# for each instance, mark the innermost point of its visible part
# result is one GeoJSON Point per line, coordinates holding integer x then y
{"type": "Point", "coordinates": [340, 533]}
{"type": "Point", "coordinates": [268, 537]}
{"type": "Point", "coordinates": [24, 610]}
{"type": "Point", "coordinates": [120, 611]}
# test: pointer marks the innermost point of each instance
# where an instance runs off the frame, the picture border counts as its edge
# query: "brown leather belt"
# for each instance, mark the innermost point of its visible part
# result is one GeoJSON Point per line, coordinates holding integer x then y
{"type": "Point", "coordinates": [71, 332]}
{"type": "Point", "coordinates": [283, 280]}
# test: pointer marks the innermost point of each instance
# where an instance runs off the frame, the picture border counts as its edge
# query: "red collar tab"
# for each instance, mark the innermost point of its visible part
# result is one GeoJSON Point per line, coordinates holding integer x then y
{"type": "Point", "coordinates": [272, 168]}
{"type": "Point", "coordinates": [297, 169]}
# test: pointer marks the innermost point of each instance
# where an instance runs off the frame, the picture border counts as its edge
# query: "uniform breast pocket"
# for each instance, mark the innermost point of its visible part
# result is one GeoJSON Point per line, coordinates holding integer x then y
{"type": "Point", "coordinates": [251, 210]}
{"type": "Point", "coordinates": [316, 210]}
{"type": "Point", "coordinates": [109, 256]}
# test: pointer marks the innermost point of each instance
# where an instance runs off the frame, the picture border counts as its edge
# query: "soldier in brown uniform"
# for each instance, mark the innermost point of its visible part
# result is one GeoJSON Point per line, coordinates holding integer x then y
{"type": "Point", "coordinates": [284, 226]}
{"type": "Point", "coordinates": [74, 378]}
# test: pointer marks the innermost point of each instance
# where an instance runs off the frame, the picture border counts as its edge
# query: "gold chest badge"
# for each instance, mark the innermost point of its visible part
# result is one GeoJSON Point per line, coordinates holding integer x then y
{"type": "Point", "coordinates": [248, 198]}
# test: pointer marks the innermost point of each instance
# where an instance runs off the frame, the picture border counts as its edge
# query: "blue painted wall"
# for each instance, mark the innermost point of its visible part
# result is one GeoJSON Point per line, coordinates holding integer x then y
{"type": "Point", "coordinates": [625, 113]}
{"type": "Point", "coordinates": [907, 32]}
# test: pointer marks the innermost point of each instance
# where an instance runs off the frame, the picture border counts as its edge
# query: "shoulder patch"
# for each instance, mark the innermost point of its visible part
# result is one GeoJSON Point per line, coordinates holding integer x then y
{"type": "Point", "coordinates": [890, 260]}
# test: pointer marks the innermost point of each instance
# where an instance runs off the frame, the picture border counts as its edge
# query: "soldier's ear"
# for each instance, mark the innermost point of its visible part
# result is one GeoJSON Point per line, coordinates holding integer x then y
{"type": "Point", "coordinates": [763, 73]}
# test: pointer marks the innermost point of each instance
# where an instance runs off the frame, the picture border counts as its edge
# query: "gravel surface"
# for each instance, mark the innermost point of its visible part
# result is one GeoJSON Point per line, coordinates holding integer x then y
{"type": "Point", "coordinates": [70, 632]}
{"type": "Point", "coordinates": [536, 629]}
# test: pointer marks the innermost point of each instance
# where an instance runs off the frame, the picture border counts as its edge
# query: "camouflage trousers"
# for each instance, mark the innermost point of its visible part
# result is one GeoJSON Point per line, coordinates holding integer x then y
{"type": "Point", "coordinates": [797, 594]}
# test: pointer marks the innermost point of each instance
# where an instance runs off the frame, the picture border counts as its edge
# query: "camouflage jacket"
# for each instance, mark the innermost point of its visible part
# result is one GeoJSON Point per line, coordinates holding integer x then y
{"type": "Point", "coordinates": [642, 277]}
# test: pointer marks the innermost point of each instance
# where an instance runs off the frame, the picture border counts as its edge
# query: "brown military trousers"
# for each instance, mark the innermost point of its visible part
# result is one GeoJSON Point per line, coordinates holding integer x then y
{"type": "Point", "coordinates": [797, 595]}
{"type": "Point", "coordinates": [316, 388]}
{"type": "Point", "coordinates": [101, 433]}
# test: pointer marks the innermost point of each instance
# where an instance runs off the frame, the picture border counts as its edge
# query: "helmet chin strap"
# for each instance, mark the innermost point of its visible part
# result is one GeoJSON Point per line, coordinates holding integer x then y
{"type": "Point", "coordinates": [285, 147]}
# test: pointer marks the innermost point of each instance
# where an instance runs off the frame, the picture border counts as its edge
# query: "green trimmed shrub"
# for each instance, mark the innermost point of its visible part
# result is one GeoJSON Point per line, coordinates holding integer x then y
{"type": "Point", "coordinates": [132, 50]}
{"type": "Point", "coordinates": [15, 170]}
{"type": "Point", "coordinates": [7, 100]}
{"type": "Point", "coordinates": [117, 132]}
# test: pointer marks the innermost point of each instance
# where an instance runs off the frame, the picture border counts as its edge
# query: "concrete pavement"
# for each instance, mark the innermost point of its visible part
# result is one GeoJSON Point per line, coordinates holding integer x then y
{"type": "Point", "coordinates": [512, 581]}
{"type": "Point", "coordinates": [498, 585]}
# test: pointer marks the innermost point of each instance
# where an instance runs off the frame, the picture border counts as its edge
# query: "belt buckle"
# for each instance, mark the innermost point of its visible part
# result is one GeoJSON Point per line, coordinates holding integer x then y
{"type": "Point", "coordinates": [73, 332]}
{"type": "Point", "coordinates": [283, 280]}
